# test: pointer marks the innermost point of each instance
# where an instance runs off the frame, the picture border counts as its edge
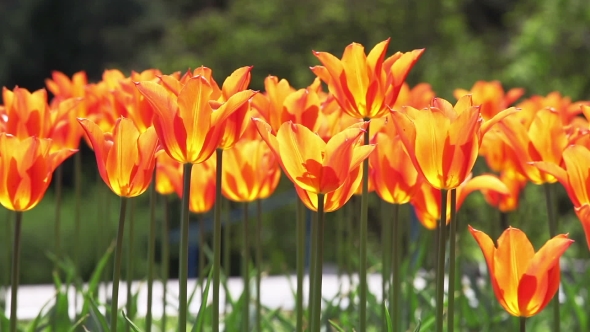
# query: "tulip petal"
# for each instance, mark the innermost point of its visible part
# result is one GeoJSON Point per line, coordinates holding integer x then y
{"type": "Point", "coordinates": [511, 260]}
{"type": "Point", "coordinates": [302, 154]}
{"type": "Point", "coordinates": [534, 290]}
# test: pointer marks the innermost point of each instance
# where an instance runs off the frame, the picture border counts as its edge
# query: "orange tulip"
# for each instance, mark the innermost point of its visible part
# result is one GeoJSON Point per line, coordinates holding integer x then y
{"type": "Point", "coordinates": [365, 85]}
{"type": "Point", "coordinates": [126, 157]}
{"type": "Point", "coordinates": [63, 88]}
{"type": "Point", "coordinates": [395, 178]}
{"type": "Point", "coordinates": [491, 97]}
{"type": "Point", "coordinates": [336, 199]}
{"type": "Point", "coordinates": [426, 199]}
{"type": "Point", "coordinates": [311, 163]}
{"type": "Point", "coordinates": [544, 140]}
{"type": "Point", "coordinates": [418, 97]}
{"type": "Point", "coordinates": [515, 183]}
{"type": "Point", "coordinates": [443, 141]}
{"type": "Point", "coordinates": [524, 281]}
{"type": "Point", "coordinates": [250, 171]}
{"type": "Point", "coordinates": [26, 168]}
{"type": "Point", "coordinates": [190, 125]}
{"type": "Point", "coordinates": [26, 114]}
{"type": "Point", "coordinates": [270, 103]}
{"type": "Point", "coordinates": [575, 177]}
{"type": "Point", "coordinates": [168, 172]}
{"type": "Point", "coordinates": [202, 190]}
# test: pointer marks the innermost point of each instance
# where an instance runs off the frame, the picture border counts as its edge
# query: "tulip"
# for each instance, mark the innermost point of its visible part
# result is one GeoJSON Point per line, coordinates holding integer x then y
{"type": "Point", "coordinates": [524, 281]}
{"type": "Point", "coordinates": [188, 126]}
{"type": "Point", "coordinates": [365, 85]}
{"type": "Point", "coordinates": [443, 141]}
{"type": "Point", "coordinates": [574, 175]}
{"type": "Point", "coordinates": [309, 162]}
{"type": "Point", "coordinates": [26, 168]}
{"type": "Point", "coordinates": [491, 97]}
{"type": "Point", "coordinates": [125, 157]}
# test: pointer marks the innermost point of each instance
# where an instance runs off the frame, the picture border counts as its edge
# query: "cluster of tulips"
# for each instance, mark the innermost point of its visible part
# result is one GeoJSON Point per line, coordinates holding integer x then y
{"type": "Point", "coordinates": [368, 132]}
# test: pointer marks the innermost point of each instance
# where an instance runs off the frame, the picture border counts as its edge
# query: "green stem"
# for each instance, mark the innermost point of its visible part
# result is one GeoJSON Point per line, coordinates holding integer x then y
{"type": "Point", "coordinates": [503, 222]}
{"type": "Point", "coordinates": [202, 246]}
{"type": "Point", "coordinates": [550, 201]}
{"type": "Point", "coordinates": [183, 254]}
{"type": "Point", "coordinates": [227, 247]}
{"type": "Point", "coordinates": [258, 243]}
{"type": "Point", "coordinates": [440, 266]}
{"type": "Point", "coordinates": [130, 261]}
{"type": "Point", "coordinates": [245, 272]}
{"type": "Point", "coordinates": [363, 240]}
{"type": "Point", "coordinates": [522, 324]}
{"type": "Point", "coordinates": [217, 241]}
{"type": "Point", "coordinates": [77, 214]}
{"type": "Point", "coordinates": [319, 260]}
{"type": "Point", "coordinates": [300, 238]}
{"type": "Point", "coordinates": [117, 264]}
{"type": "Point", "coordinates": [57, 222]}
{"type": "Point", "coordinates": [165, 260]}
{"type": "Point", "coordinates": [15, 269]}
{"type": "Point", "coordinates": [7, 256]}
{"type": "Point", "coordinates": [396, 263]}
{"type": "Point", "coordinates": [350, 219]}
{"type": "Point", "coordinates": [386, 259]}
{"type": "Point", "coordinates": [151, 253]}
{"type": "Point", "coordinates": [451, 280]}
{"type": "Point", "coordinates": [312, 266]}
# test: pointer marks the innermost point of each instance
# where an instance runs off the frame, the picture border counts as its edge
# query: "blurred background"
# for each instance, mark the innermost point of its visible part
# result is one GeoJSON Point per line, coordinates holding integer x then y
{"type": "Point", "coordinates": [540, 45]}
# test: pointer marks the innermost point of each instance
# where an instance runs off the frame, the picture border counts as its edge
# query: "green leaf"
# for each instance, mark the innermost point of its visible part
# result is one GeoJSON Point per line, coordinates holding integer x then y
{"type": "Point", "coordinates": [95, 278]}
{"type": "Point", "coordinates": [198, 327]}
{"type": "Point", "coordinates": [417, 329]}
{"type": "Point", "coordinates": [96, 314]}
{"type": "Point", "coordinates": [133, 326]}
{"type": "Point", "coordinates": [334, 325]}
{"type": "Point", "coordinates": [33, 326]}
{"type": "Point", "coordinates": [78, 323]}
{"type": "Point", "coordinates": [388, 320]}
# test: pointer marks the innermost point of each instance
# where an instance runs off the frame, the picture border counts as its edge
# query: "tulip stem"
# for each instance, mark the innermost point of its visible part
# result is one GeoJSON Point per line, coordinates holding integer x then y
{"type": "Point", "coordinates": [522, 324]}
{"type": "Point", "coordinates": [245, 272]}
{"type": "Point", "coordinates": [300, 238]}
{"type": "Point", "coordinates": [15, 269]}
{"type": "Point", "coordinates": [312, 266]}
{"type": "Point", "coordinates": [386, 259]}
{"type": "Point", "coordinates": [452, 256]}
{"type": "Point", "coordinates": [117, 264]}
{"type": "Point", "coordinates": [319, 260]}
{"type": "Point", "coordinates": [183, 254]}
{"type": "Point", "coordinates": [552, 233]}
{"type": "Point", "coordinates": [227, 247]}
{"type": "Point", "coordinates": [202, 240]}
{"type": "Point", "coordinates": [440, 266]}
{"type": "Point", "coordinates": [217, 241]}
{"type": "Point", "coordinates": [258, 253]}
{"type": "Point", "coordinates": [165, 260]}
{"type": "Point", "coordinates": [363, 239]}
{"type": "Point", "coordinates": [130, 262]}
{"type": "Point", "coordinates": [77, 214]}
{"type": "Point", "coordinates": [151, 253]}
{"type": "Point", "coordinates": [396, 262]}
{"type": "Point", "coordinates": [57, 221]}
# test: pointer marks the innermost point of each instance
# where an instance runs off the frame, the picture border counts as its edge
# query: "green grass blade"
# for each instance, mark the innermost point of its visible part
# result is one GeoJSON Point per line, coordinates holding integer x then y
{"type": "Point", "coordinates": [417, 329]}
{"type": "Point", "coordinates": [133, 326]}
{"type": "Point", "coordinates": [388, 320]}
{"type": "Point", "coordinates": [78, 323]}
{"type": "Point", "coordinates": [95, 313]}
{"type": "Point", "coordinates": [334, 325]}
{"type": "Point", "coordinates": [33, 325]}
{"type": "Point", "coordinates": [198, 327]}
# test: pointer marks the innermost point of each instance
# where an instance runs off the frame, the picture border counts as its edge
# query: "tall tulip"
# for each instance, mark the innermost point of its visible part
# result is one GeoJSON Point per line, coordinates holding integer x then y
{"type": "Point", "coordinates": [26, 168]}
{"type": "Point", "coordinates": [126, 160]}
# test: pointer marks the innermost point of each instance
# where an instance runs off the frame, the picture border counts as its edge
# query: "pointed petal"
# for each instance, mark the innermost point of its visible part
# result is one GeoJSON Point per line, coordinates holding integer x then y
{"type": "Point", "coordinates": [511, 260]}
{"type": "Point", "coordinates": [535, 291]}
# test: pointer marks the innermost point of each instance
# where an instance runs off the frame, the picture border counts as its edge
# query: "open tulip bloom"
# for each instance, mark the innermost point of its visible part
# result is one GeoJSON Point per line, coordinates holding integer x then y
{"type": "Point", "coordinates": [524, 281]}
{"type": "Point", "coordinates": [309, 162]}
